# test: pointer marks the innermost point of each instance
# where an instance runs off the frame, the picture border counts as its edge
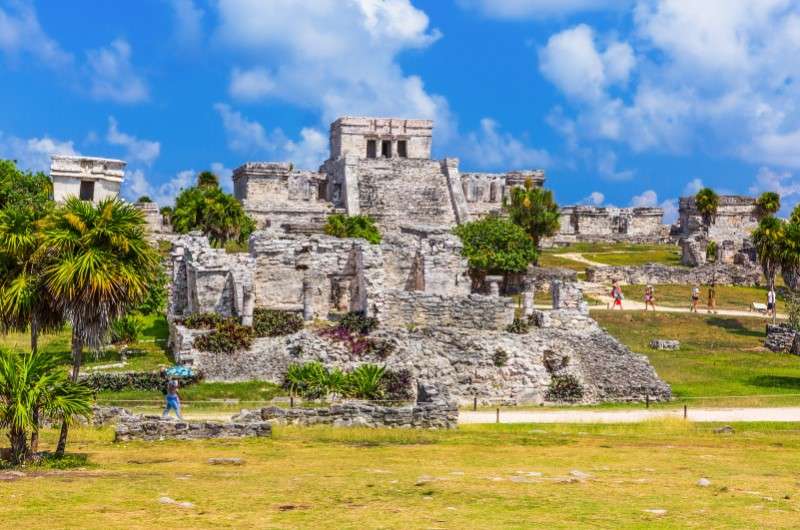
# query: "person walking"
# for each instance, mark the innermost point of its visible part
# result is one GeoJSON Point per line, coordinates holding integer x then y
{"type": "Point", "coordinates": [772, 309]}
{"type": "Point", "coordinates": [173, 400]}
{"type": "Point", "coordinates": [616, 295]}
{"type": "Point", "coordinates": [695, 299]}
{"type": "Point", "coordinates": [712, 298]}
{"type": "Point", "coordinates": [649, 297]}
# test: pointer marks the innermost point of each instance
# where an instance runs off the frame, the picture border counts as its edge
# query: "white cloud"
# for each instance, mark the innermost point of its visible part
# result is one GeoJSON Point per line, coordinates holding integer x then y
{"type": "Point", "coordinates": [492, 148]}
{"type": "Point", "coordinates": [250, 137]}
{"type": "Point", "coordinates": [188, 21]}
{"type": "Point", "coordinates": [145, 151]}
{"type": "Point", "coordinates": [21, 35]}
{"type": "Point", "coordinates": [136, 185]}
{"type": "Point", "coordinates": [779, 182]}
{"type": "Point", "coordinates": [670, 207]}
{"type": "Point", "coordinates": [334, 56]}
{"type": "Point", "coordinates": [711, 76]}
{"type": "Point", "coordinates": [225, 175]}
{"type": "Point", "coordinates": [523, 9]}
{"type": "Point", "coordinates": [251, 85]}
{"type": "Point", "coordinates": [571, 61]}
{"type": "Point", "coordinates": [647, 199]}
{"type": "Point", "coordinates": [693, 186]}
{"type": "Point", "coordinates": [112, 76]}
{"type": "Point", "coordinates": [33, 154]}
{"type": "Point", "coordinates": [595, 198]}
{"type": "Point", "coordinates": [607, 167]}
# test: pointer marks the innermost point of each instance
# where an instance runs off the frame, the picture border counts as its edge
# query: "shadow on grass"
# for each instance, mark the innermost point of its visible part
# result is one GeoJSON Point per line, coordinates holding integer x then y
{"type": "Point", "coordinates": [775, 381]}
{"type": "Point", "coordinates": [734, 326]}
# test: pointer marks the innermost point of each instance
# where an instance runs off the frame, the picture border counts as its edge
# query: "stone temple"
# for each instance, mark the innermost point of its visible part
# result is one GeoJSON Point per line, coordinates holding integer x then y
{"type": "Point", "coordinates": [443, 329]}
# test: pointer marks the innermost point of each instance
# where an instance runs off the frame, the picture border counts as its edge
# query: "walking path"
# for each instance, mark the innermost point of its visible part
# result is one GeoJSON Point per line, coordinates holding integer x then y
{"type": "Point", "coordinates": [727, 415]}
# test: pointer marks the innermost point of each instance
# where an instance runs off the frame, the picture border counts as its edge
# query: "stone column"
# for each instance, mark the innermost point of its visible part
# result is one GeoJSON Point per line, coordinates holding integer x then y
{"type": "Point", "coordinates": [494, 285]}
{"type": "Point", "coordinates": [308, 295]}
{"type": "Point", "coordinates": [527, 297]}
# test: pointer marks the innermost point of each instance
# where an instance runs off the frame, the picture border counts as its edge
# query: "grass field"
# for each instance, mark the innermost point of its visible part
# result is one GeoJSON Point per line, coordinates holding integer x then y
{"type": "Point", "coordinates": [503, 476]}
{"type": "Point", "coordinates": [728, 297]}
{"type": "Point", "coordinates": [611, 254]}
{"type": "Point", "coordinates": [719, 356]}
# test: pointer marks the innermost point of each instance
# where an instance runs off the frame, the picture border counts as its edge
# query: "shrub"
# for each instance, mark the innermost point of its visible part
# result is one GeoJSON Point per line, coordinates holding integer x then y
{"type": "Point", "coordinates": [275, 323]}
{"type": "Point", "coordinates": [496, 246]}
{"type": "Point", "coordinates": [500, 357]}
{"type": "Point", "coordinates": [519, 326]}
{"type": "Point", "coordinates": [363, 226]}
{"type": "Point", "coordinates": [357, 322]}
{"type": "Point", "coordinates": [229, 337]}
{"type": "Point", "coordinates": [144, 199]}
{"type": "Point", "coordinates": [398, 385]}
{"type": "Point", "coordinates": [365, 382]}
{"type": "Point", "coordinates": [564, 388]}
{"type": "Point", "coordinates": [118, 381]}
{"type": "Point", "coordinates": [156, 299]}
{"type": "Point", "coordinates": [126, 329]}
{"type": "Point", "coordinates": [203, 321]}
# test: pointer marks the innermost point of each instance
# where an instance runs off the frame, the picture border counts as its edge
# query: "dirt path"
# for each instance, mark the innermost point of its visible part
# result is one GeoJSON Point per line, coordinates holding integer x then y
{"type": "Point", "coordinates": [577, 256]}
{"type": "Point", "coordinates": [776, 414]}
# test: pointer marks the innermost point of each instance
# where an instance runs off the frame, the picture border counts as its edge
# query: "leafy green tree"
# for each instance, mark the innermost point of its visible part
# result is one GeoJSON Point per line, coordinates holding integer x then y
{"type": "Point", "coordinates": [535, 210]}
{"type": "Point", "coordinates": [712, 251]}
{"type": "Point", "coordinates": [144, 199]}
{"type": "Point", "coordinates": [215, 213]}
{"type": "Point", "coordinates": [363, 226]}
{"type": "Point", "coordinates": [768, 204]}
{"type": "Point", "coordinates": [768, 240]}
{"type": "Point", "coordinates": [99, 266]}
{"type": "Point", "coordinates": [23, 188]}
{"type": "Point", "coordinates": [707, 202]}
{"type": "Point", "coordinates": [495, 246]}
{"type": "Point", "coordinates": [32, 382]}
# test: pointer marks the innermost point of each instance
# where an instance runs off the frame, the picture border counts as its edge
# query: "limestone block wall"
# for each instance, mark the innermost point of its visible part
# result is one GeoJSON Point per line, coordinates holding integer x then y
{"type": "Point", "coordinates": [409, 308]}
{"type": "Point", "coordinates": [349, 136]}
{"type": "Point", "coordinates": [153, 218]}
{"type": "Point", "coordinates": [591, 223]}
{"type": "Point", "coordinates": [153, 428]}
{"type": "Point", "coordinates": [484, 192]}
{"type": "Point", "coordinates": [736, 218]}
{"type": "Point", "coordinates": [654, 274]}
{"type": "Point", "coordinates": [67, 173]}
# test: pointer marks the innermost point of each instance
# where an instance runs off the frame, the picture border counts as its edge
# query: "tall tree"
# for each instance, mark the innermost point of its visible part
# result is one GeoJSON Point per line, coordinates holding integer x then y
{"type": "Point", "coordinates": [495, 246]}
{"type": "Point", "coordinates": [535, 210]}
{"type": "Point", "coordinates": [707, 202]}
{"type": "Point", "coordinates": [207, 208]}
{"type": "Point", "coordinates": [32, 382]}
{"type": "Point", "coordinates": [99, 265]}
{"type": "Point", "coordinates": [768, 239]}
{"type": "Point", "coordinates": [768, 204]}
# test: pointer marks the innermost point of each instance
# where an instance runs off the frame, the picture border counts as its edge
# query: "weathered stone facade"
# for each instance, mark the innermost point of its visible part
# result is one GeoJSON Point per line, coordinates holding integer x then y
{"type": "Point", "coordinates": [152, 216]}
{"type": "Point", "coordinates": [782, 338]}
{"type": "Point", "coordinates": [91, 179]}
{"type": "Point", "coordinates": [730, 229]}
{"type": "Point", "coordinates": [609, 224]}
{"type": "Point", "coordinates": [433, 410]}
{"type": "Point", "coordinates": [654, 273]}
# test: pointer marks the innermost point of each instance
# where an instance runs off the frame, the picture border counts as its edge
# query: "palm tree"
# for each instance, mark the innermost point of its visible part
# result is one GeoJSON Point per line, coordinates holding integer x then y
{"type": "Point", "coordinates": [707, 202]}
{"type": "Point", "coordinates": [99, 265]}
{"type": "Point", "coordinates": [768, 203]}
{"type": "Point", "coordinates": [32, 382]}
{"type": "Point", "coordinates": [768, 239]}
{"type": "Point", "coordinates": [535, 210]}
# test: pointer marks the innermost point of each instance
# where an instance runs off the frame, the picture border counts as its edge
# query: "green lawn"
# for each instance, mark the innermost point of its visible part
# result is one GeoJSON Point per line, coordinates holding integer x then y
{"type": "Point", "coordinates": [611, 254]}
{"type": "Point", "coordinates": [719, 356]}
{"type": "Point", "coordinates": [728, 297]}
{"type": "Point", "coordinates": [491, 476]}
{"type": "Point", "coordinates": [549, 259]}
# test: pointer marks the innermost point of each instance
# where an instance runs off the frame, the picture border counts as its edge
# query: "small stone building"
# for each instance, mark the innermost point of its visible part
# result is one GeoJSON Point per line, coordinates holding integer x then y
{"type": "Point", "coordinates": [736, 218]}
{"type": "Point", "coordinates": [89, 178]}
{"type": "Point", "coordinates": [609, 224]}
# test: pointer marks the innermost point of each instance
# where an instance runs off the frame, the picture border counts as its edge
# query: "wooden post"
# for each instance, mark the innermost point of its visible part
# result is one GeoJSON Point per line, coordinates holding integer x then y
{"type": "Point", "coordinates": [684, 412]}
{"type": "Point", "coordinates": [475, 403]}
{"type": "Point", "coordinates": [291, 401]}
{"type": "Point", "coordinates": [498, 415]}
{"type": "Point", "coordinates": [647, 401]}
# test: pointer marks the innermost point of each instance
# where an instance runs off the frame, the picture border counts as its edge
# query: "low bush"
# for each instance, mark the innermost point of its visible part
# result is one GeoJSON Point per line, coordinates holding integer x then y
{"type": "Point", "coordinates": [275, 323]}
{"type": "Point", "coordinates": [118, 381]}
{"type": "Point", "coordinates": [363, 226]}
{"type": "Point", "coordinates": [357, 322]}
{"type": "Point", "coordinates": [366, 382]}
{"type": "Point", "coordinates": [229, 337]}
{"type": "Point", "coordinates": [126, 329]}
{"type": "Point", "coordinates": [500, 357]}
{"type": "Point", "coordinates": [313, 381]}
{"type": "Point", "coordinates": [565, 388]}
{"type": "Point", "coordinates": [519, 326]}
{"type": "Point", "coordinates": [353, 329]}
{"type": "Point", "coordinates": [203, 321]}
{"type": "Point", "coordinates": [398, 385]}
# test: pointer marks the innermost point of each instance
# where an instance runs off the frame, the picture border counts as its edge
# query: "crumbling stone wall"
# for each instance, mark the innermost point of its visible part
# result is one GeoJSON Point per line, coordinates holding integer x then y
{"type": "Point", "coordinates": [154, 428]}
{"type": "Point", "coordinates": [433, 410]}
{"type": "Point", "coordinates": [609, 224]}
{"type": "Point", "coordinates": [153, 218]}
{"type": "Point", "coordinates": [782, 338]}
{"type": "Point", "coordinates": [736, 218]}
{"type": "Point", "coordinates": [742, 275]}
{"type": "Point", "coordinates": [485, 192]}
{"type": "Point", "coordinates": [474, 311]}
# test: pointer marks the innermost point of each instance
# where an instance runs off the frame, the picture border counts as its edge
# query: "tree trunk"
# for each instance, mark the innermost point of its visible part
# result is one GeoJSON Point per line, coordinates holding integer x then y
{"type": "Point", "coordinates": [19, 446]}
{"type": "Point", "coordinates": [34, 349]}
{"type": "Point", "coordinates": [77, 358]}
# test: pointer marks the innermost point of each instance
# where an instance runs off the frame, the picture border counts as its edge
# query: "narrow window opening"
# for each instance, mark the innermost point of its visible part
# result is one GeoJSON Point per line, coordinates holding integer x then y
{"type": "Point", "coordinates": [87, 190]}
{"type": "Point", "coordinates": [402, 150]}
{"type": "Point", "coordinates": [372, 149]}
{"type": "Point", "coordinates": [386, 149]}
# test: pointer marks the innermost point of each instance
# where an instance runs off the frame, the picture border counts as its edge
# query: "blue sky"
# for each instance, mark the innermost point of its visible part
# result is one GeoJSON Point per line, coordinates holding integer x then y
{"type": "Point", "coordinates": [623, 102]}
